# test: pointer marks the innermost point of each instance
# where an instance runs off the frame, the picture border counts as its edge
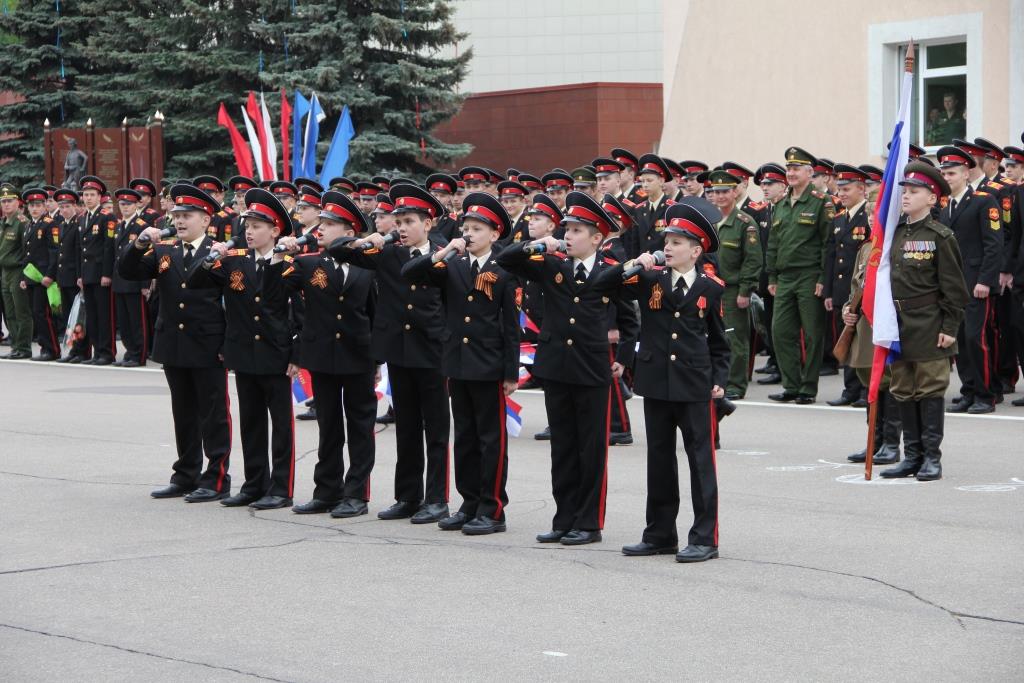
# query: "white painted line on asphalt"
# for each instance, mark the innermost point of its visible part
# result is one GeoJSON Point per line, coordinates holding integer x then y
{"type": "Point", "coordinates": [552, 653]}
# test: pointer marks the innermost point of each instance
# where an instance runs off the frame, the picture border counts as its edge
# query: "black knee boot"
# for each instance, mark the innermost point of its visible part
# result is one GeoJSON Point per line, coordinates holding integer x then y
{"type": "Point", "coordinates": [932, 430]}
{"type": "Point", "coordinates": [879, 415]}
{"type": "Point", "coordinates": [913, 449]}
{"type": "Point", "coordinates": [888, 429]}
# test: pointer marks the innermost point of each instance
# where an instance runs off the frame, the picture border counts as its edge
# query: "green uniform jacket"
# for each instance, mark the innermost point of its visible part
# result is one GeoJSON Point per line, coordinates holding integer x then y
{"type": "Point", "coordinates": [796, 241]}
{"type": "Point", "coordinates": [925, 260]}
{"type": "Point", "coordinates": [739, 253]}
{"type": "Point", "coordinates": [12, 236]}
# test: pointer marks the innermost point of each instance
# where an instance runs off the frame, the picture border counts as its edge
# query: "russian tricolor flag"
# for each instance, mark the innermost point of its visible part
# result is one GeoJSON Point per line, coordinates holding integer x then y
{"type": "Point", "coordinates": [383, 388]}
{"type": "Point", "coordinates": [302, 387]}
{"type": "Point", "coordinates": [524, 375]}
{"type": "Point", "coordinates": [527, 352]}
{"type": "Point", "coordinates": [513, 421]}
{"type": "Point", "coordinates": [526, 323]}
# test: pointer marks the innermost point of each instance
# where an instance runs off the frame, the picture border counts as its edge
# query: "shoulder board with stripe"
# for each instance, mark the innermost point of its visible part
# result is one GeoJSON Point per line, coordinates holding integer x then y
{"type": "Point", "coordinates": [47, 219]}
{"type": "Point", "coordinates": [288, 271]}
{"type": "Point", "coordinates": [222, 214]}
{"type": "Point", "coordinates": [309, 255]}
{"type": "Point", "coordinates": [981, 193]}
{"type": "Point", "coordinates": [818, 194]}
{"type": "Point", "coordinates": [627, 203]}
{"type": "Point", "coordinates": [711, 276]}
{"type": "Point", "coordinates": [745, 217]}
{"type": "Point", "coordinates": [757, 206]}
{"type": "Point", "coordinates": [106, 212]}
{"type": "Point", "coordinates": [371, 252]}
{"type": "Point", "coordinates": [169, 243]}
{"type": "Point", "coordinates": [841, 211]}
{"type": "Point", "coordinates": [287, 259]}
{"type": "Point", "coordinates": [237, 252]}
{"type": "Point", "coordinates": [139, 221]}
{"type": "Point", "coordinates": [669, 202]}
{"type": "Point", "coordinates": [610, 261]}
{"type": "Point", "coordinates": [537, 257]}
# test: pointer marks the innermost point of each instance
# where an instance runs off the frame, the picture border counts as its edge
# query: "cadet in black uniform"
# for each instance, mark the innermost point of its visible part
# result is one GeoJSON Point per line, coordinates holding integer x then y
{"type": "Point", "coordinates": [258, 348]}
{"type": "Point", "coordinates": [408, 333]}
{"type": "Point", "coordinates": [683, 364]}
{"type": "Point", "coordinates": [481, 357]}
{"type": "Point", "coordinates": [650, 215]}
{"type": "Point", "coordinates": [572, 360]}
{"type": "Point", "coordinates": [67, 270]}
{"type": "Point", "coordinates": [629, 187]}
{"type": "Point", "coordinates": [443, 187]}
{"type": "Point", "coordinates": [334, 345]}
{"type": "Point", "coordinates": [544, 218]}
{"type": "Point", "coordinates": [557, 184]}
{"type": "Point", "coordinates": [146, 190]}
{"type": "Point", "coordinates": [849, 231]}
{"type": "Point", "coordinates": [96, 268]}
{"type": "Point", "coordinates": [42, 242]}
{"type": "Point", "coordinates": [512, 195]}
{"type": "Point", "coordinates": [220, 223]}
{"type": "Point", "coordinates": [132, 314]}
{"type": "Point", "coordinates": [189, 339]}
{"type": "Point", "coordinates": [973, 216]}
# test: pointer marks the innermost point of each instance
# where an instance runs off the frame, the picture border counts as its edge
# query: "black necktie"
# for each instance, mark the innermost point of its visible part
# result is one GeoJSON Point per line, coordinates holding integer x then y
{"type": "Point", "coordinates": [581, 274]}
{"type": "Point", "coordinates": [680, 288]}
{"type": "Point", "coordinates": [474, 269]}
{"type": "Point", "coordinates": [188, 255]}
{"type": "Point", "coordinates": [260, 265]}
{"type": "Point", "coordinates": [952, 206]}
{"type": "Point", "coordinates": [415, 253]}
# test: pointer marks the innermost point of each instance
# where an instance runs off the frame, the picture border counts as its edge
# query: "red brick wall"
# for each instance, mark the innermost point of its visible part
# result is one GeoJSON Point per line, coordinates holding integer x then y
{"type": "Point", "coordinates": [538, 129]}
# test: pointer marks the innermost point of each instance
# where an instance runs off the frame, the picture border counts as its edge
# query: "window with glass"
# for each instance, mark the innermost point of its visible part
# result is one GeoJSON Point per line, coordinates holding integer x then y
{"type": "Point", "coordinates": [938, 105]}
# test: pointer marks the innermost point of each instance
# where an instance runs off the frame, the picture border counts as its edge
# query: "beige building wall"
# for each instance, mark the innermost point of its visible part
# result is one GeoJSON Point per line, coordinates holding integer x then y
{"type": "Point", "coordinates": [746, 79]}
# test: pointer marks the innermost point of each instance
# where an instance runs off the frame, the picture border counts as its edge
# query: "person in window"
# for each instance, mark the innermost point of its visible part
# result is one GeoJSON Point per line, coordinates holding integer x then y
{"type": "Point", "coordinates": [951, 122]}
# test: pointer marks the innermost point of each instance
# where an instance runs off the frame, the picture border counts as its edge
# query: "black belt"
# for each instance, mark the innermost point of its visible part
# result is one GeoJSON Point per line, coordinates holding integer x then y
{"type": "Point", "coordinates": [916, 301]}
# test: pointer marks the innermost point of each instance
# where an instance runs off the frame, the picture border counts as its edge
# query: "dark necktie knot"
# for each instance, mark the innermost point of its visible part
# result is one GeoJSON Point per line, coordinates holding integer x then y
{"type": "Point", "coordinates": [581, 273]}
{"type": "Point", "coordinates": [416, 253]}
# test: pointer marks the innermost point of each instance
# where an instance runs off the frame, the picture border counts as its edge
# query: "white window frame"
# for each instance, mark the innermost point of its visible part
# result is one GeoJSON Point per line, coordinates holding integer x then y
{"type": "Point", "coordinates": [923, 74]}
{"type": "Point", "coordinates": [885, 68]}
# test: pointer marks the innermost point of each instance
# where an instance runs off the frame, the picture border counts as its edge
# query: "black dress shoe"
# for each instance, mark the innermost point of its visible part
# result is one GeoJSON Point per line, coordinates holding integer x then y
{"type": "Point", "coordinates": [172, 491]}
{"type": "Point", "coordinates": [130, 364]}
{"type": "Point", "coordinates": [75, 360]}
{"type": "Point", "coordinates": [783, 397]}
{"type": "Point", "coordinates": [553, 536]}
{"type": "Point", "coordinates": [775, 378]}
{"type": "Point", "coordinates": [430, 513]}
{"type": "Point", "coordinates": [841, 401]}
{"type": "Point", "coordinates": [734, 395]}
{"type": "Point", "coordinates": [620, 438]}
{"type": "Point", "coordinates": [271, 503]}
{"type": "Point", "coordinates": [350, 507]}
{"type": "Point", "coordinates": [387, 418]}
{"type": "Point", "coordinates": [239, 500]}
{"type": "Point", "coordinates": [454, 522]}
{"type": "Point", "coordinates": [580, 537]}
{"type": "Point", "coordinates": [44, 357]}
{"type": "Point", "coordinates": [805, 399]}
{"type": "Point", "coordinates": [102, 360]}
{"type": "Point", "coordinates": [19, 355]}
{"type": "Point", "coordinates": [308, 415]}
{"type": "Point", "coordinates": [403, 509]}
{"type": "Point", "coordinates": [315, 507]}
{"type": "Point", "coordinates": [66, 359]}
{"type": "Point", "coordinates": [697, 553]}
{"type": "Point", "coordinates": [961, 406]}
{"type": "Point", "coordinates": [767, 369]}
{"type": "Point", "coordinates": [481, 526]}
{"type": "Point", "coordinates": [543, 436]}
{"type": "Point", "coordinates": [827, 372]}
{"type": "Point", "coordinates": [859, 456]}
{"type": "Point", "coordinates": [860, 403]}
{"type": "Point", "coordinates": [1017, 402]}
{"type": "Point", "coordinates": [118, 363]}
{"type": "Point", "coordinates": [642, 549]}
{"type": "Point", "coordinates": [980, 408]}
{"type": "Point", "coordinates": [206, 496]}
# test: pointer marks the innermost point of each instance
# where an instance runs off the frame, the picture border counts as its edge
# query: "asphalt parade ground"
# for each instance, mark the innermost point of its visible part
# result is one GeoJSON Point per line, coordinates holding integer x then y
{"type": "Point", "coordinates": [822, 576]}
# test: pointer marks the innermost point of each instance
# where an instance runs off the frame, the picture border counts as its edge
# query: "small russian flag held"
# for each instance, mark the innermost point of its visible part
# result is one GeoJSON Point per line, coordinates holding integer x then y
{"type": "Point", "coordinates": [513, 421]}
{"type": "Point", "coordinates": [524, 375]}
{"type": "Point", "coordinates": [526, 323]}
{"type": "Point", "coordinates": [527, 351]}
{"type": "Point", "coordinates": [383, 388]}
{"type": "Point", "coordinates": [302, 387]}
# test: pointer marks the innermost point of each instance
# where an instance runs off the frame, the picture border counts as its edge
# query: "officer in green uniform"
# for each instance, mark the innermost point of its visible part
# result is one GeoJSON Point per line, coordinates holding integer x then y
{"type": "Point", "coordinates": [795, 263]}
{"type": "Point", "coordinates": [16, 303]}
{"type": "Point", "coordinates": [930, 296]}
{"type": "Point", "coordinates": [739, 265]}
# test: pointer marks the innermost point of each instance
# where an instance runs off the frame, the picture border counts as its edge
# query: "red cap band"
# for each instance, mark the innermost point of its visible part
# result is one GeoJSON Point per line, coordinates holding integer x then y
{"type": "Point", "coordinates": [265, 210]}
{"type": "Point", "coordinates": [512, 191]}
{"type": "Point", "coordinates": [626, 161]}
{"type": "Point", "coordinates": [440, 185]}
{"type": "Point", "coordinates": [386, 207]}
{"type": "Point", "coordinates": [1019, 158]}
{"type": "Point", "coordinates": [415, 203]}
{"type": "Point", "coordinates": [92, 184]}
{"type": "Point", "coordinates": [607, 168]}
{"type": "Point", "coordinates": [695, 169]}
{"type": "Point", "coordinates": [773, 176]}
{"type": "Point", "coordinates": [141, 188]}
{"type": "Point", "coordinates": [475, 176]}
{"type": "Point", "coordinates": [124, 196]}
{"type": "Point", "coordinates": [195, 202]}
{"type": "Point", "coordinates": [614, 210]}
{"type": "Point", "coordinates": [849, 175]}
{"type": "Point", "coordinates": [651, 166]}
{"type": "Point", "coordinates": [38, 197]}
{"type": "Point", "coordinates": [590, 217]}
{"type": "Point", "coordinates": [690, 226]}
{"type": "Point", "coordinates": [557, 183]}
{"type": "Point", "coordinates": [209, 186]}
{"type": "Point", "coordinates": [927, 180]}
{"type": "Point", "coordinates": [310, 199]}
{"type": "Point", "coordinates": [491, 217]}
{"type": "Point", "coordinates": [955, 159]}
{"type": "Point", "coordinates": [341, 211]}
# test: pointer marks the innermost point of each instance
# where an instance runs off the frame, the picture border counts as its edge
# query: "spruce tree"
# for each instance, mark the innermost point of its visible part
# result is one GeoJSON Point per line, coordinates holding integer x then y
{"type": "Point", "coordinates": [42, 75]}
{"type": "Point", "coordinates": [382, 59]}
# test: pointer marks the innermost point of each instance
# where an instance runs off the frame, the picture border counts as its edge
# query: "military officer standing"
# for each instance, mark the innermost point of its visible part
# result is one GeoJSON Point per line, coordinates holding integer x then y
{"type": "Point", "coordinates": [96, 270]}
{"type": "Point", "coordinates": [42, 242]}
{"type": "Point", "coordinates": [67, 271]}
{"type": "Point", "coordinates": [929, 294]}
{"type": "Point", "coordinates": [849, 231]}
{"type": "Point", "coordinates": [512, 195]}
{"type": "Point", "coordinates": [132, 313]}
{"type": "Point", "coordinates": [650, 215]}
{"type": "Point", "coordinates": [795, 262]}
{"type": "Point", "coordinates": [771, 178]}
{"type": "Point", "coordinates": [739, 266]}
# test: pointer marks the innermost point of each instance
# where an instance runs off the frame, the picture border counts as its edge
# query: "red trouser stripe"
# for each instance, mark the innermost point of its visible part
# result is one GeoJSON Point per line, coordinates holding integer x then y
{"type": "Point", "coordinates": [619, 403]}
{"type": "Point", "coordinates": [49, 326]}
{"type": "Point", "coordinates": [501, 449]}
{"type": "Point", "coordinates": [222, 469]}
{"type": "Point", "coordinates": [113, 323]}
{"type": "Point", "coordinates": [604, 477]}
{"type": "Point", "coordinates": [144, 354]}
{"type": "Point", "coordinates": [984, 345]}
{"type": "Point", "coordinates": [714, 458]}
{"type": "Point", "coordinates": [803, 349]}
{"type": "Point", "coordinates": [291, 465]}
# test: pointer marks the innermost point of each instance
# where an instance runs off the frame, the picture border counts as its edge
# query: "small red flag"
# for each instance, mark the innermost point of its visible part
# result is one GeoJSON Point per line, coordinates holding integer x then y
{"type": "Point", "coordinates": [243, 159]}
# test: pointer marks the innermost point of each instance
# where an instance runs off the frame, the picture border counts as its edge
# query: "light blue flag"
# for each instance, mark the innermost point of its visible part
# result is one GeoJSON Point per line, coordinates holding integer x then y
{"type": "Point", "coordinates": [316, 115]}
{"type": "Point", "coordinates": [299, 110]}
{"type": "Point", "coordinates": [337, 155]}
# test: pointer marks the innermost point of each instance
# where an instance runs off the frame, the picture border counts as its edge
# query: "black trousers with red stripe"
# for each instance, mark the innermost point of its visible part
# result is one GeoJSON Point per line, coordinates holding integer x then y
{"type": "Point", "coordinates": [975, 360]}
{"type": "Point", "coordinates": [696, 422]}
{"type": "Point", "coordinates": [43, 321]}
{"type": "Point", "coordinates": [620, 414]}
{"type": "Point", "coordinates": [1004, 339]}
{"type": "Point", "coordinates": [132, 323]}
{"type": "Point", "coordinates": [481, 447]}
{"type": "Point", "coordinates": [99, 320]}
{"type": "Point", "coordinates": [420, 398]}
{"type": "Point", "coordinates": [344, 400]}
{"type": "Point", "coordinates": [269, 466]}
{"type": "Point", "coordinates": [579, 418]}
{"type": "Point", "coordinates": [202, 423]}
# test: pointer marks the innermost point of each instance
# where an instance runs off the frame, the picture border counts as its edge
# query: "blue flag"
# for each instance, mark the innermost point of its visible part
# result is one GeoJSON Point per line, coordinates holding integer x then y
{"type": "Point", "coordinates": [316, 115]}
{"type": "Point", "coordinates": [337, 154]}
{"type": "Point", "coordinates": [299, 111]}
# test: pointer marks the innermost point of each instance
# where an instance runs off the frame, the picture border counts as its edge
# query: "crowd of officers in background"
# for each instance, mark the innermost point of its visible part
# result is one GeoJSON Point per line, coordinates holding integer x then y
{"type": "Point", "coordinates": [778, 276]}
